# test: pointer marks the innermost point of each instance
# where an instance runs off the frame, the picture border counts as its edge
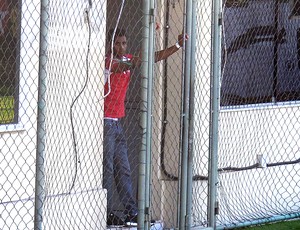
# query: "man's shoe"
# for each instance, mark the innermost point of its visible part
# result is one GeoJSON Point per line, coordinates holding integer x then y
{"type": "Point", "coordinates": [114, 220]}
{"type": "Point", "coordinates": [131, 220]}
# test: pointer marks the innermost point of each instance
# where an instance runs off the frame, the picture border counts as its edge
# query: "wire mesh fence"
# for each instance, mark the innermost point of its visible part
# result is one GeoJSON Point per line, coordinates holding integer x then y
{"type": "Point", "coordinates": [74, 102]}
{"type": "Point", "coordinates": [201, 116]}
{"type": "Point", "coordinates": [92, 150]}
{"type": "Point", "coordinates": [167, 120]}
{"type": "Point", "coordinates": [18, 56]}
{"type": "Point", "coordinates": [258, 158]}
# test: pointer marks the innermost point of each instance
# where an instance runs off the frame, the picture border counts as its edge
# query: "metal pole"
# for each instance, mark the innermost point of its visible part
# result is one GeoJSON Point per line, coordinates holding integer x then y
{"type": "Point", "coordinates": [214, 113]}
{"type": "Point", "coordinates": [149, 114]}
{"type": "Point", "coordinates": [191, 122]}
{"type": "Point", "coordinates": [41, 132]}
{"type": "Point", "coordinates": [143, 118]}
{"type": "Point", "coordinates": [275, 52]}
{"type": "Point", "coordinates": [185, 140]}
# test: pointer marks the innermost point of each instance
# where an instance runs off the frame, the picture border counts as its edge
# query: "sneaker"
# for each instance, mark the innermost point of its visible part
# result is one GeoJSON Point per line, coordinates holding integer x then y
{"type": "Point", "coordinates": [114, 220]}
{"type": "Point", "coordinates": [152, 222]}
{"type": "Point", "coordinates": [131, 220]}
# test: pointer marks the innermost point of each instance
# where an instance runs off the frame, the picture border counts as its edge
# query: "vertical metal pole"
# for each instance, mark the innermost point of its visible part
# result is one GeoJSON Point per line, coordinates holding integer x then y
{"type": "Point", "coordinates": [191, 122]}
{"type": "Point", "coordinates": [144, 117]}
{"type": "Point", "coordinates": [149, 114]}
{"type": "Point", "coordinates": [185, 140]}
{"type": "Point", "coordinates": [41, 133]}
{"type": "Point", "coordinates": [275, 52]}
{"type": "Point", "coordinates": [214, 112]}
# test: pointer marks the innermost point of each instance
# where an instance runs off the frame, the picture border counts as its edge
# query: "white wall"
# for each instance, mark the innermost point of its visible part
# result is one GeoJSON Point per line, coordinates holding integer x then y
{"type": "Point", "coordinates": [77, 88]}
{"type": "Point", "coordinates": [269, 130]}
{"type": "Point", "coordinates": [18, 142]}
{"type": "Point", "coordinates": [85, 205]}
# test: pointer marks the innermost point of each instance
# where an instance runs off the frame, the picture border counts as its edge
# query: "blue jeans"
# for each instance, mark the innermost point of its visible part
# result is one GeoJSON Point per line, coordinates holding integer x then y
{"type": "Point", "coordinates": [116, 167]}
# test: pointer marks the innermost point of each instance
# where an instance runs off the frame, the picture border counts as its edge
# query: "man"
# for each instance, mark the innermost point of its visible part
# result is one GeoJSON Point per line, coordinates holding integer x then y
{"type": "Point", "coordinates": [116, 165]}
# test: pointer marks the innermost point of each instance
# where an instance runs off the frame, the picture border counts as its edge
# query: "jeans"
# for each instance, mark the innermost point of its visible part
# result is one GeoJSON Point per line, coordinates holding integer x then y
{"type": "Point", "coordinates": [116, 167]}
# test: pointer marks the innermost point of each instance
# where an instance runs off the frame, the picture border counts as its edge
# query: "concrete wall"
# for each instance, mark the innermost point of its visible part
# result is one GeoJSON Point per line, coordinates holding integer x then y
{"type": "Point", "coordinates": [84, 204]}
{"type": "Point", "coordinates": [74, 176]}
{"type": "Point", "coordinates": [18, 141]}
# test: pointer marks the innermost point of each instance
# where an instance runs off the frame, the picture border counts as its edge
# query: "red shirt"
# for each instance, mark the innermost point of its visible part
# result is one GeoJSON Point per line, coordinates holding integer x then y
{"type": "Point", "coordinates": [114, 102]}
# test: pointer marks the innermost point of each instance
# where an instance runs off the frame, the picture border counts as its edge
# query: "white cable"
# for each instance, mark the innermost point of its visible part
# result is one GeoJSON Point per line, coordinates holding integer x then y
{"type": "Point", "coordinates": [112, 50]}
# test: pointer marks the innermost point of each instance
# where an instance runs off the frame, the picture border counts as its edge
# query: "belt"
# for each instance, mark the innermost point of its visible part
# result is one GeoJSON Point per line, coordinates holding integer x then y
{"type": "Point", "coordinates": [111, 118]}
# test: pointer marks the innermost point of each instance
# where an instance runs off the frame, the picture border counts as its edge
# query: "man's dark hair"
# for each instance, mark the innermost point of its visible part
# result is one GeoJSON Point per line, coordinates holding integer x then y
{"type": "Point", "coordinates": [119, 33]}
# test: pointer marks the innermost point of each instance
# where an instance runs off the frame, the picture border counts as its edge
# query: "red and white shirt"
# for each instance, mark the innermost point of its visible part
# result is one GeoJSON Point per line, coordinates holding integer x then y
{"type": "Point", "coordinates": [114, 102]}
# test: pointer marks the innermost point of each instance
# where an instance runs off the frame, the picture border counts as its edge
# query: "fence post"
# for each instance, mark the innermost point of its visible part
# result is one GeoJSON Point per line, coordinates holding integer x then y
{"type": "Point", "coordinates": [145, 119]}
{"type": "Point", "coordinates": [151, 54]}
{"type": "Point", "coordinates": [186, 109]}
{"type": "Point", "coordinates": [191, 121]}
{"type": "Point", "coordinates": [41, 133]}
{"type": "Point", "coordinates": [214, 113]}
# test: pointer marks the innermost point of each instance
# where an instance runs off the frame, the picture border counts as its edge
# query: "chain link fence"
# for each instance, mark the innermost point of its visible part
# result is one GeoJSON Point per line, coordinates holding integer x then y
{"type": "Point", "coordinates": [167, 111]}
{"type": "Point", "coordinates": [259, 147]}
{"type": "Point", "coordinates": [52, 120]}
{"type": "Point", "coordinates": [74, 106]}
{"type": "Point", "coordinates": [18, 112]}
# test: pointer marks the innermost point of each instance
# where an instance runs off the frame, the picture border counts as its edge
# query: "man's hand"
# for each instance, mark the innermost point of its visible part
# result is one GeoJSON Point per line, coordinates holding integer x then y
{"type": "Point", "coordinates": [181, 38]}
{"type": "Point", "coordinates": [137, 59]}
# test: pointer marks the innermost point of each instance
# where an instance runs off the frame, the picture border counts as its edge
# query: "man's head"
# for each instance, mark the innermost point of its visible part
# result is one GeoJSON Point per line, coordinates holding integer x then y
{"type": "Point", "coordinates": [119, 41]}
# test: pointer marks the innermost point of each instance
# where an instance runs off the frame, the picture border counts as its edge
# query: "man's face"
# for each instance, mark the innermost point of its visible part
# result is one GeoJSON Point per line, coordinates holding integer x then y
{"type": "Point", "coordinates": [120, 46]}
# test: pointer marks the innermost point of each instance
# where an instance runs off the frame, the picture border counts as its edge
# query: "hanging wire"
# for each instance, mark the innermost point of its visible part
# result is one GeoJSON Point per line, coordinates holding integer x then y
{"type": "Point", "coordinates": [87, 18]}
{"type": "Point", "coordinates": [112, 50]}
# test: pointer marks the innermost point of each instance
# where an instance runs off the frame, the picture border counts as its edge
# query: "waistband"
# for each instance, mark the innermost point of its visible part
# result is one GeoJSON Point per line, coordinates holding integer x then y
{"type": "Point", "coordinates": [111, 118]}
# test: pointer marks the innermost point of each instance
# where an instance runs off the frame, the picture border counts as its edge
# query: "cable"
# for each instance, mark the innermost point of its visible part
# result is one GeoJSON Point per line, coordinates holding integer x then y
{"type": "Point", "coordinates": [87, 17]}
{"type": "Point", "coordinates": [235, 169]}
{"type": "Point", "coordinates": [165, 99]}
{"type": "Point", "coordinates": [284, 163]}
{"type": "Point", "coordinates": [112, 49]}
